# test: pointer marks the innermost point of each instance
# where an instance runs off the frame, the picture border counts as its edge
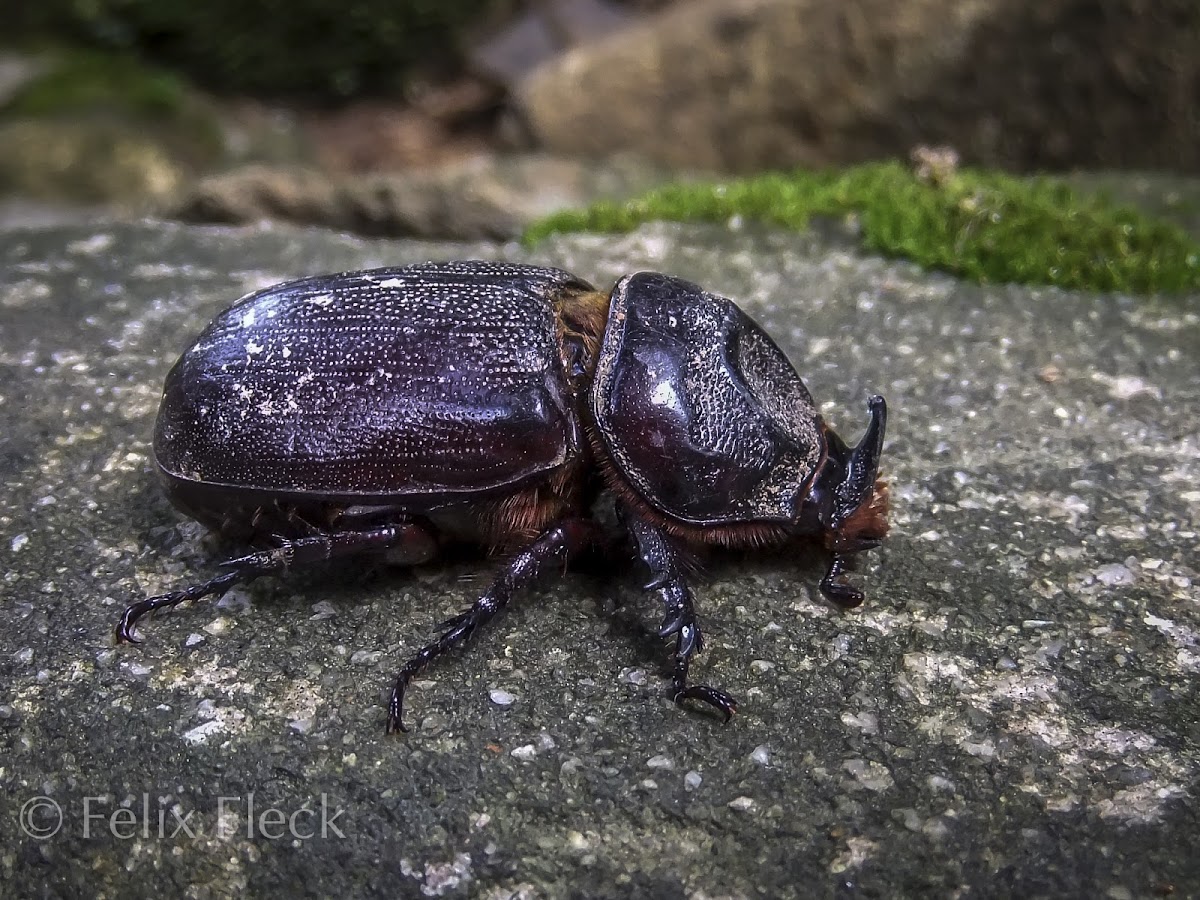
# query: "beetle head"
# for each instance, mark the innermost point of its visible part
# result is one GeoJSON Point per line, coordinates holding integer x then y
{"type": "Point", "coordinates": [847, 500]}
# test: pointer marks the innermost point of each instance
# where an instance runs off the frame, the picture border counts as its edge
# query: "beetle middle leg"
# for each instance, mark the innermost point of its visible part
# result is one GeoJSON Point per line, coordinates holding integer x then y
{"type": "Point", "coordinates": [680, 615]}
{"type": "Point", "coordinates": [557, 544]}
{"type": "Point", "coordinates": [287, 554]}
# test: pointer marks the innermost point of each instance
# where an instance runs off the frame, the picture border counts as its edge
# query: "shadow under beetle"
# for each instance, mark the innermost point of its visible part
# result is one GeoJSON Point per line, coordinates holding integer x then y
{"type": "Point", "coordinates": [394, 410]}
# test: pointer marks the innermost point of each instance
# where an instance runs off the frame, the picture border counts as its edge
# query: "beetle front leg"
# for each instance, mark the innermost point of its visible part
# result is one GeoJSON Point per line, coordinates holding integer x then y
{"type": "Point", "coordinates": [558, 544]}
{"type": "Point", "coordinates": [680, 615]}
{"type": "Point", "coordinates": [846, 596]}
{"type": "Point", "coordinates": [287, 555]}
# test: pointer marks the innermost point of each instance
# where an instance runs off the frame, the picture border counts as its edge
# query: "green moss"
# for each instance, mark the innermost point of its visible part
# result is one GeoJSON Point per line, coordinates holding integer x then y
{"type": "Point", "coordinates": [983, 226]}
{"type": "Point", "coordinates": [92, 86]}
{"type": "Point", "coordinates": [84, 81]}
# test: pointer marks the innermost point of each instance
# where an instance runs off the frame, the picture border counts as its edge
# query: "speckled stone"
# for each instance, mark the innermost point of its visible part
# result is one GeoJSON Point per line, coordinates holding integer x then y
{"type": "Point", "coordinates": [1013, 712]}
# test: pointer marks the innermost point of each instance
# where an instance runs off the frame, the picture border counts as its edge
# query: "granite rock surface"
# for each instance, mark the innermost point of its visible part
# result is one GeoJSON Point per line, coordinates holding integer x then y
{"type": "Point", "coordinates": [1013, 712]}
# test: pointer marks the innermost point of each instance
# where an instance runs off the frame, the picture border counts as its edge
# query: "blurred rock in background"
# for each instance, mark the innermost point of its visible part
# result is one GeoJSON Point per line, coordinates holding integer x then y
{"type": "Point", "coordinates": [750, 84]}
{"type": "Point", "coordinates": [379, 114]}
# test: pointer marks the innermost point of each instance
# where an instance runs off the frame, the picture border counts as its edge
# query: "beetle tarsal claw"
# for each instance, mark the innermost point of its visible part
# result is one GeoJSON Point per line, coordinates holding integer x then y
{"type": "Point", "coordinates": [835, 589]}
{"type": "Point", "coordinates": [671, 624]}
{"type": "Point", "coordinates": [658, 581]}
{"type": "Point", "coordinates": [714, 697]}
{"type": "Point", "coordinates": [395, 717]}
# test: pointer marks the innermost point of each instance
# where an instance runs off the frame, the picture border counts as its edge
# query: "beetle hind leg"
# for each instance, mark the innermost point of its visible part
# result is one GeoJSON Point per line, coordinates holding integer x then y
{"type": "Point", "coordinates": [134, 611]}
{"type": "Point", "coordinates": [558, 544]}
{"type": "Point", "coordinates": [287, 554]}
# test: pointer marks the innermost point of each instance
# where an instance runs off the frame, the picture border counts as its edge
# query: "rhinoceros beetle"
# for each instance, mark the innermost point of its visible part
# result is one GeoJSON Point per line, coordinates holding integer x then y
{"type": "Point", "coordinates": [393, 411]}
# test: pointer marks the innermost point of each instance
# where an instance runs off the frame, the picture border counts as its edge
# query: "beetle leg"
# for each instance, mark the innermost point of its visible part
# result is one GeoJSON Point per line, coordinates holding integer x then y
{"type": "Point", "coordinates": [844, 595]}
{"type": "Point", "coordinates": [288, 554]}
{"type": "Point", "coordinates": [558, 544]}
{"type": "Point", "coordinates": [680, 615]}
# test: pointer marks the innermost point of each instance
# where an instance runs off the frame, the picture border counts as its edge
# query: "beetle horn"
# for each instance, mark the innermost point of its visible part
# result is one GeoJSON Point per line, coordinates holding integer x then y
{"type": "Point", "coordinates": [860, 506]}
{"type": "Point", "coordinates": [858, 486]}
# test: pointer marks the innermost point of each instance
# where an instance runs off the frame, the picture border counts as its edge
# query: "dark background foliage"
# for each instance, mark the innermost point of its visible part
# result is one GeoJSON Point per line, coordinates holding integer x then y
{"type": "Point", "coordinates": [292, 47]}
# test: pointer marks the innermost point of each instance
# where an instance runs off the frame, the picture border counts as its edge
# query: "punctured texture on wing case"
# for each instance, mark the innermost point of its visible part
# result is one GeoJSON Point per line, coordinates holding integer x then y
{"type": "Point", "coordinates": [699, 410]}
{"type": "Point", "coordinates": [424, 380]}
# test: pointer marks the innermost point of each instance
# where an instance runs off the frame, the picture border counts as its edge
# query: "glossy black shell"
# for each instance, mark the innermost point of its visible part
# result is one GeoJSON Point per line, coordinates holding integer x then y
{"type": "Point", "coordinates": [700, 412]}
{"type": "Point", "coordinates": [428, 380]}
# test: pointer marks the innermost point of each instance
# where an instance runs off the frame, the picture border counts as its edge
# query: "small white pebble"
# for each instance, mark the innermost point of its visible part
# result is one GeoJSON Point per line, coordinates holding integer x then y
{"type": "Point", "coordinates": [660, 762]}
{"type": "Point", "coordinates": [576, 841]}
{"type": "Point", "coordinates": [761, 755]}
{"type": "Point", "coordinates": [1114, 574]}
{"type": "Point", "coordinates": [18, 542]}
{"type": "Point", "coordinates": [525, 752]}
{"type": "Point", "coordinates": [910, 818]}
{"type": "Point", "coordinates": [692, 780]}
{"type": "Point", "coordinates": [502, 698]}
{"type": "Point", "coordinates": [201, 733]}
{"type": "Point", "coordinates": [1126, 387]}
{"type": "Point", "coordinates": [323, 610]}
{"type": "Point", "coordinates": [742, 804]}
{"type": "Point", "coordinates": [137, 670]}
{"type": "Point", "coordinates": [867, 722]}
